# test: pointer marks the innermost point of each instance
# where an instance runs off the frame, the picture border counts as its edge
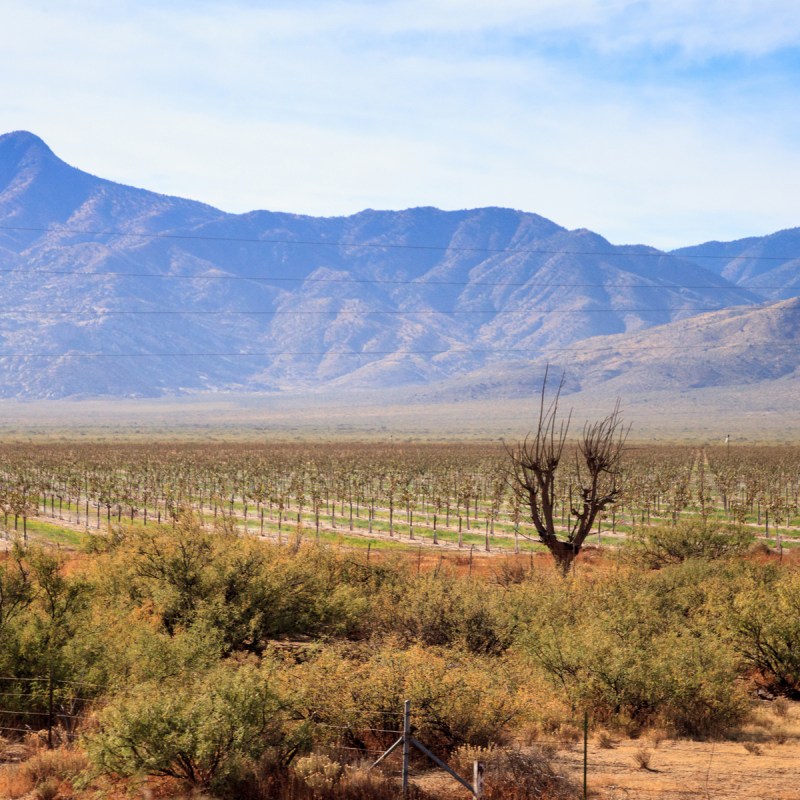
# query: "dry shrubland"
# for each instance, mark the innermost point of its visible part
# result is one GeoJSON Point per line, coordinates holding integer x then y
{"type": "Point", "coordinates": [214, 661]}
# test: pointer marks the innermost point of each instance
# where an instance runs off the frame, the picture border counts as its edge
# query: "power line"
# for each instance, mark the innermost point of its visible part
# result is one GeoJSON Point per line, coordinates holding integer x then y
{"type": "Point", "coordinates": [349, 312]}
{"type": "Point", "coordinates": [377, 281]}
{"type": "Point", "coordinates": [650, 253]}
{"type": "Point", "coordinates": [632, 349]}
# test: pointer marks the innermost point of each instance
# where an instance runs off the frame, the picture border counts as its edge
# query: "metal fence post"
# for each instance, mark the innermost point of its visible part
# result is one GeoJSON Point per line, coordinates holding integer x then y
{"type": "Point", "coordinates": [50, 705]}
{"type": "Point", "coordinates": [406, 744]}
{"type": "Point", "coordinates": [408, 741]}
{"type": "Point", "coordinates": [585, 753]}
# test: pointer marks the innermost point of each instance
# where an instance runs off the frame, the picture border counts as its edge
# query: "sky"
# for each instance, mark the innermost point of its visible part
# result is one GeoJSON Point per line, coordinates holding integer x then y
{"type": "Point", "coordinates": [668, 122]}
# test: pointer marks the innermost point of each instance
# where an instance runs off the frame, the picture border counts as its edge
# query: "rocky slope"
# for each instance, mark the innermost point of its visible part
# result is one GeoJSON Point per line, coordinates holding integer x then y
{"type": "Point", "coordinates": [115, 291]}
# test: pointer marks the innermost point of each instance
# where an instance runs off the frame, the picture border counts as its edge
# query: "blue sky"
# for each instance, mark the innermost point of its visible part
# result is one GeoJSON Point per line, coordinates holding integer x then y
{"type": "Point", "coordinates": [662, 122]}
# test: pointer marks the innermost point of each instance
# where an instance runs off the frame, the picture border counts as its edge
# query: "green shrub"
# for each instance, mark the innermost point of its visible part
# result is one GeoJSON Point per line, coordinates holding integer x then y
{"type": "Point", "coordinates": [766, 630]}
{"type": "Point", "coordinates": [440, 609]}
{"type": "Point", "coordinates": [246, 589]}
{"type": "Point", "coordinates": [638, 649]}
{"type": "Point", "coordinates": [203, 729]}
{"type": "Point", "coordinates": [456, 698]}
{"type": "Point", "coordinates": [658, 546]}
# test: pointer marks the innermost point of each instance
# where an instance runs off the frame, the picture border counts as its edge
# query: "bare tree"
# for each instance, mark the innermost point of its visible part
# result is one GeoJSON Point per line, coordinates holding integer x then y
{"type": "Point", "coordinates": [535, 464]}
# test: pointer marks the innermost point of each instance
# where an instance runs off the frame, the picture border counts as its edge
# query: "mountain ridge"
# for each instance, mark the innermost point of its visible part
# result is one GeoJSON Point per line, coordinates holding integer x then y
{"type": "Point", "coordinates": [117, 291]}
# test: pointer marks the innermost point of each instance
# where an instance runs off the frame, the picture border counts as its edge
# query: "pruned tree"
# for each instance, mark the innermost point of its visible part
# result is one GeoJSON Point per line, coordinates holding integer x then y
{"type": "Point", "coordinates": [535, 464]}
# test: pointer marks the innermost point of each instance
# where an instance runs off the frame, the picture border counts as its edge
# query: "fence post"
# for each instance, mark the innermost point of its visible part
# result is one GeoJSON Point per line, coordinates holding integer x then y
{"type": "Point", "coordinates": [477, 779]}
{"type": "Point", "coordinates": [406, 744]}
{"type": "Point", "coordinates": [50, 705]}
{"type": "Point", "coordinates": [585, 753]}
{"type": "Point", "coordinates": [407, 741]}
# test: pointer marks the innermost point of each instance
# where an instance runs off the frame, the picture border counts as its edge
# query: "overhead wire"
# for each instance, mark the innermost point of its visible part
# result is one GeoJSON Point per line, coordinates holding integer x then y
{"type": "Point", "coordinates": [99, 313]}
{"type": "Point", "coordinates": [104, 312]}
{"type": "Point", "coordinates": [646, 253]}
{"type": "Point", "coordinates": [422, 283]}
{"type": "Point", "coordinates": [543, 353]}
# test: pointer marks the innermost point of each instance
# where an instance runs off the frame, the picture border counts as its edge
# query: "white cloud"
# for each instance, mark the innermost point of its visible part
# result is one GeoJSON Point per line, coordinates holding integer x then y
{"type": "Point", "coordinates": [329, 107]}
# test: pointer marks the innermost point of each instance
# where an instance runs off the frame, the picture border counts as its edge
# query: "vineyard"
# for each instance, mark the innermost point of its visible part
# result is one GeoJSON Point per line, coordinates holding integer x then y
{"type": "Point", "coordinates": [247, 622]}
{"type": "Point", "coordinates": [450, 496]}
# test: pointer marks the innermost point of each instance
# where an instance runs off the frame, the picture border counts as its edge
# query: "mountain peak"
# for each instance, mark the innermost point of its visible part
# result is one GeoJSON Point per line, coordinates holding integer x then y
{"type": "Point", "coordinates": [22, 152]}
{"type": "Point", "coordinates": [23, 141]}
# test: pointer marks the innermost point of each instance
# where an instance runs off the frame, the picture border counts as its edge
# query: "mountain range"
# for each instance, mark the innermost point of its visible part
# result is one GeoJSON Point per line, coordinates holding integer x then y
{"type": "Point", "coordinates": [115, 291]}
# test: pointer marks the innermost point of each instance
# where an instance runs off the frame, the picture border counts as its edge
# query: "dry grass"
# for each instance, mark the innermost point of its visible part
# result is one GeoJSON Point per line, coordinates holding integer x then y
{"type": "Point", "coordinates": [606, 741]}
{"type": "Point", "coordinates": [13, 783]}
{"type": "Point", "coordinates": [656, 736]}
{"type": "Point", "coordinates": [642, 758]}
{"type": "Point", "coordinates": [44, 774]}
{"type": "Point", "coordinates": [753, 748]}
{"type": "Point", "coordinates": [687, 769]}
{"type": "Point", "coordinates": [780, 707]}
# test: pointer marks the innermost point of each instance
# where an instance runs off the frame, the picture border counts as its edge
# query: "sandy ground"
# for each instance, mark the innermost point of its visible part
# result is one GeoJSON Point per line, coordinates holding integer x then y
{"type": "Point", "coordinates": [683, 769]}
{"type": "Point", "coordinates": [761, 762]}
{"type": "Point", "coordinates": [678, 770]}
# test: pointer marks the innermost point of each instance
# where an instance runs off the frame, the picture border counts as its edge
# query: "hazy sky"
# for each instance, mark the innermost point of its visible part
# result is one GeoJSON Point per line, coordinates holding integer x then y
{"type": "Point", "coordinates": [667, 122]}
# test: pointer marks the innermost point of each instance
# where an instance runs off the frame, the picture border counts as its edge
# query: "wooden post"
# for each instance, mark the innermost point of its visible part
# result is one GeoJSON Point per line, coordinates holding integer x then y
{"type": "Point", "coordinates": [477, 779]}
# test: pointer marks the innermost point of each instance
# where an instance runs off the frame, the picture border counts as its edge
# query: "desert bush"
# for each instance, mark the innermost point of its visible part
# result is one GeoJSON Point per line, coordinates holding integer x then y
{"type": "Point", "coordinates": [440, 609]}
{"type": "Point", "coordinates": [642, 758]}
{"type": "Point", "coordinates": [49, 790]}
{"type": "Point", "coordinates": [765, 620]}
{"type": "Point", "coordinates": [780, 707]}
{"type": "Point", "coordinates": [455, 697]}
{"type": "Point", "coordinates": [248, 590]}
{"type": "Point", "coordinates": [278, 782]}
{"type": "Point", "coordinates": [636, 650]}
{"type": "Point", "coordinates": [319, 772]}
{"type": "Point", "coordinates": [61, 764]}
{"type": "Point", "coordinates": [658, 546]}
{"type": "Point", "coordinates": [605, 741]}
{"type": "Point", "coordinates": [43, 774]}
{"type": "Point", "coordinates": [203, 729]}
{"type": "Point", "coordinates": [14, 783]}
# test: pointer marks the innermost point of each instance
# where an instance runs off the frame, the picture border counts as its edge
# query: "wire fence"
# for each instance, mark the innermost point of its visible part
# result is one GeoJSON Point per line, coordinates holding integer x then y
{"type": "Point", "coordinates": [38, 710]}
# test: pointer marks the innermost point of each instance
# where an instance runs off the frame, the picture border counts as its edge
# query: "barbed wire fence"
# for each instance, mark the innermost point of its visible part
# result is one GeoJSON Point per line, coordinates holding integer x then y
{"type": "Point", "coordinates": [48, 712]}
